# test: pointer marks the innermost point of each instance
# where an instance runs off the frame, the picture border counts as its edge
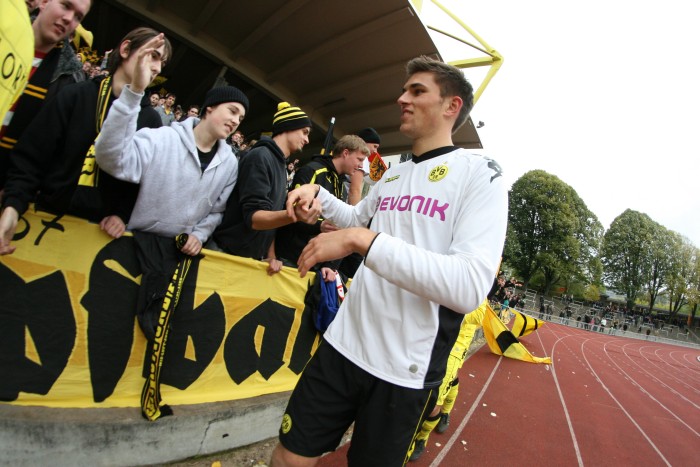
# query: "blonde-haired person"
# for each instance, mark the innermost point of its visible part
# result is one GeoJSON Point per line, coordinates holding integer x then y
{"type": "Point", "coordinates": [327, 171]}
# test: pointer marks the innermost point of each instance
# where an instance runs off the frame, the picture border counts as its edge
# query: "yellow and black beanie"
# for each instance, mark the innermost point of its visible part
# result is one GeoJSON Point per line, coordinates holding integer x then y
{"type": "Point", "coordinates": [289, 118]}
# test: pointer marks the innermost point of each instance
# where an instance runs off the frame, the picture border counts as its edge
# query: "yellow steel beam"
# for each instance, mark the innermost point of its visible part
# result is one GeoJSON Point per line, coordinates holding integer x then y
{"type": "Point", "coordinates": [493, 60]}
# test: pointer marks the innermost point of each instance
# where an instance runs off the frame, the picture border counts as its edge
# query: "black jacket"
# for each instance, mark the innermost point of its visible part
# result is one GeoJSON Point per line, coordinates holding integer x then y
{"type": "Point", "coordinates": [58, 69]}
{"type": "Point", "coordinates": [261, 186]}
{"type": "Point", "coordinates": [49, 157]}
{"type": "Point", "coordinates": [291, 239]}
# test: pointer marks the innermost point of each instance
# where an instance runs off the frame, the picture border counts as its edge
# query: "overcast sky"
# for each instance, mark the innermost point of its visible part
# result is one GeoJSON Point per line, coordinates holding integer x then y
{"type": "Point", "coordinates": [603, 94]}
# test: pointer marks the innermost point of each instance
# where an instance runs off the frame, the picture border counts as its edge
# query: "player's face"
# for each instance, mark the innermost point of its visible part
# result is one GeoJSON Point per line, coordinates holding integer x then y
{"type": "Point", "coordinates": [422, 108]}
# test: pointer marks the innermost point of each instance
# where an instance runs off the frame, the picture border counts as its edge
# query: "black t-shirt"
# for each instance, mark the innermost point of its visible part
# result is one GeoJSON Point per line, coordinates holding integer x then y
{"type": "Point", "coordinates": [206, 157]}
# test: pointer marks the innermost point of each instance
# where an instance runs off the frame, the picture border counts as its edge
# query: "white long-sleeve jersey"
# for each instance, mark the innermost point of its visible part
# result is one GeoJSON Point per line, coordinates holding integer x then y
{"type": "Point", "coordinates": [442, 221]}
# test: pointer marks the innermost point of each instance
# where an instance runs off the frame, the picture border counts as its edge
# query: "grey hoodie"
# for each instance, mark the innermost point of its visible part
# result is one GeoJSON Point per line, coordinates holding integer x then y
{"type": "Point", "coordinates": [175, 196]}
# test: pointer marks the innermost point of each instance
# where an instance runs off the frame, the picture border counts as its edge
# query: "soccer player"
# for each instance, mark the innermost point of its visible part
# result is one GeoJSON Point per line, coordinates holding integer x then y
{"type": "Point", "coordinates": [436, 237]}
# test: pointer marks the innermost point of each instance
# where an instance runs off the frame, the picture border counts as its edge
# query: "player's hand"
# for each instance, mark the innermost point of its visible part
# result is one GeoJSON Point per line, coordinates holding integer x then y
{"type": "Point", "coordinates": [192, 247]}
{"type": "Point", "coordinates": [113, 226]}
{"type": "Point", "coordinates": [334, 245]}
{"type": "Point", "coordinates": [308, 213]}
{"type": "Point", "coordinates": [328, 226]}
{"type": "Point", "coordinates": [8, 225]}
{"type": "Point", "coordinates": [303, 197]}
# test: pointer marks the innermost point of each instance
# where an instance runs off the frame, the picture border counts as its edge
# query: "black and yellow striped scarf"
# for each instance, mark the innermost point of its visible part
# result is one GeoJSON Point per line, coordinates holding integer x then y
{"type": "Point", "coordinates": [151, 407]}
{"type": "Point", "coordinates": [89, 174]}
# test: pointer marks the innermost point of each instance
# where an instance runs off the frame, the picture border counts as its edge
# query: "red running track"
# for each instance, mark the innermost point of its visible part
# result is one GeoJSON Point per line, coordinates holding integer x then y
{"type": "Point", "coordinates": [606, 400]}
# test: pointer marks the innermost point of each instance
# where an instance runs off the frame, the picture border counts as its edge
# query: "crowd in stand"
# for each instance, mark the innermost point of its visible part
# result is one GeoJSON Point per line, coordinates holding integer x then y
{"type": "Point", "coordinates": [503, 293]}
{"type": "Point", "coordinates": [610, 318]}
{"type": "Point", "coordinates": [50, 151]}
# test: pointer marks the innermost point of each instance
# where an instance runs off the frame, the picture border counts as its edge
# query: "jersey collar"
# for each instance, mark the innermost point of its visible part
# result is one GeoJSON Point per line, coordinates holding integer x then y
{"type": "Point", "coordinates": [432, 153]}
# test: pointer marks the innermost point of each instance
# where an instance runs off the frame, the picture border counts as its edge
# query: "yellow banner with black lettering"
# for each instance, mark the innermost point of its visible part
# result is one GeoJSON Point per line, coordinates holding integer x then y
{"type": "Point", "coordinates": [69, 337]}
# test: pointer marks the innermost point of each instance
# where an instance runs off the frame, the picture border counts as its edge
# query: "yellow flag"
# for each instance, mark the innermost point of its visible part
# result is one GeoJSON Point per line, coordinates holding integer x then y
{"type": "Point", "coordinates": [525, 324]}
{"type": "Point", "coordinates": [502, 342]}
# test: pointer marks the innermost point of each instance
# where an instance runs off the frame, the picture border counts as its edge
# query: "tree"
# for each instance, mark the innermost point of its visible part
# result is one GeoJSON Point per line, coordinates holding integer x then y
{"type": "Point", "coordinates": [592, 293]}
{"type": "Point", "coordinates": [511, 248]}
{"type": "Point", "coordinates": [588, 235]}
{"type": "Point", "coordinates": [681, 274]}
{"type": "Point", "coordinates": [550, 230]}
{"type": "Point", "coordinates": [693, 292]}
{"type": "Point", "coordinates": [662, 251]}
{"type": "Point", "coordinates": [627, 255]}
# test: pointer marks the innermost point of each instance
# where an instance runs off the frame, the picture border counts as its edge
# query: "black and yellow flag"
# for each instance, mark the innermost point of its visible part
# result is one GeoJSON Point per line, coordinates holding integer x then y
{"type": "Point", "coordinates": [525, 324]}
{"type": "Point", "coordinates": [502, 342]}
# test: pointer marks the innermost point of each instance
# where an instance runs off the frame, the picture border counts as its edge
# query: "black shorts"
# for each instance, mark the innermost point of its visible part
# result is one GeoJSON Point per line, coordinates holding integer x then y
{"type": "Point", "coordinates": [332, 393]}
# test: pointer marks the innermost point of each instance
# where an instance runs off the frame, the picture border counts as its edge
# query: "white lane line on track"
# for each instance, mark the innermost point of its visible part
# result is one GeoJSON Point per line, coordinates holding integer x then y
{"type": "Point", "coordinates": [561, 398]}
{"type": "Point", "coordinates": [694, 368]}
{"type": "Point", "coordinates": [692, 373]}
{"type": "Point", "coordinates": [648, 394]}
{"type": "Point", "coordinates": [634, 422]}
{"type": "Point", "coordinates": [441, 455]}
{"type": "Point", "coordinates": [696, 391]}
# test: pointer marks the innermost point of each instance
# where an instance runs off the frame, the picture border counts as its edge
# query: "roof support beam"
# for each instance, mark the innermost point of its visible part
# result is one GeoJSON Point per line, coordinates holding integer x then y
{"type": "Point", "coordinates": [204, 17]}
{"type": "Point", "coordinates": [152, 5]}
{"type": "Point", "coordinates": [267, 27]}
{"type": "Point", "coordinates": [336, 42]}
{"type": "Point", "coordinates": [363, 79]}
{"type": "Point", "coordinates": [359, 112]}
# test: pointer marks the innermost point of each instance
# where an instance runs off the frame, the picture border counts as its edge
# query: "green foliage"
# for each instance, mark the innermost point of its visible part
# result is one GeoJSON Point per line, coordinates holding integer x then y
{"type": "Point", "coordinates": [663, 248]}
{"type": "Point", "coordinates": [693, 280]}
{"type": "Point", "coordinates": [554, 240]}
{"type": "Point", "coordinates": [627, 253]}
{"type": "Point", "coordinates": [591, 293]}
{"type": "Point", "coordinates": [551, 231]}
{"type": "Point", "coordinates": [679, 275]}
{"type": "Point", "coordinates": [511, 249]}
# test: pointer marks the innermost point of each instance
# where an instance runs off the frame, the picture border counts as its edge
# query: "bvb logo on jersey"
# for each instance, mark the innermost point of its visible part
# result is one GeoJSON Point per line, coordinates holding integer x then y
{"type": "Point", "coordinates": [438, 173]}
{"type": "Point", "coordinates": [286, 423]}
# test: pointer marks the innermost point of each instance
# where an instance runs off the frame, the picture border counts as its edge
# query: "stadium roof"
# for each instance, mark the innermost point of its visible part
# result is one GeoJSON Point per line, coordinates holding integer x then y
{"type": "Point", "coordinates": [342, 59]}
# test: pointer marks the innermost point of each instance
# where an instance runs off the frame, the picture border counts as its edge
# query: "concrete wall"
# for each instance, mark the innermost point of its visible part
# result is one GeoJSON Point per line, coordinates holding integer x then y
{"type": "Point", "coordinates": [121, 437]}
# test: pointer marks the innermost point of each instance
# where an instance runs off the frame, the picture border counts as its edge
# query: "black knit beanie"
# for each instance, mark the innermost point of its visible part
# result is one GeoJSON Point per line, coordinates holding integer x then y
{"type": "Point", "coordinates": [289, 118]}
{"type": "Point", "coordinates": [369, 135]}
{"type": "Point", "coordinates": [216, 96]}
